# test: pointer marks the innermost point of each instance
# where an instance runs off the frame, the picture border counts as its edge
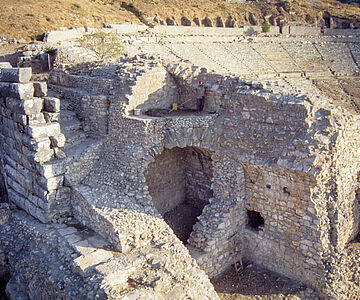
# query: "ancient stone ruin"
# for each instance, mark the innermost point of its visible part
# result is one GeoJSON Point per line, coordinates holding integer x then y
{"type": "Point", "coordinates": [111, 193]}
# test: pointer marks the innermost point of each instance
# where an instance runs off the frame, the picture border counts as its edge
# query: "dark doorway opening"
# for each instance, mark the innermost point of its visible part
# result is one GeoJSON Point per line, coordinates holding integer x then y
{"type": "Point", "coordinates": [255, 219]}
{"type": "Point", "coordinates": [179, 181]}
{"type": "Point", "coordinates": [4, 279]}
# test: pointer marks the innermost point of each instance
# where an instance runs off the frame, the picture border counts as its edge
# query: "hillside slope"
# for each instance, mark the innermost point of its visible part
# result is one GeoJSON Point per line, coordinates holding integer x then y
{"type": "Point", "coordinates": [28, 18]}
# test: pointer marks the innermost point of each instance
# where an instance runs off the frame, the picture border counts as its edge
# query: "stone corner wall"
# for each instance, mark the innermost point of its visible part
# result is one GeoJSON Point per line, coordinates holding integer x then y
{"type": "Point", "coordinates": [31, 142]}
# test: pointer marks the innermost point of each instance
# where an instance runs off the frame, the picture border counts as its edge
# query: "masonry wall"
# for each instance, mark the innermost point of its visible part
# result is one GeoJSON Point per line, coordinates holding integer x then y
{"type": "Point", "coordinates": [165, 178]}
{"type": "Point", "coordinates": [154, 90]}
{"type": "Point", "coordinates": [31, 142]}
{"type": "Point", "coordinates": [272, 152]}
{"type": "Point", "coordinates": [198, 176]}
{"type": "Point", "coordinates": [289, 240]}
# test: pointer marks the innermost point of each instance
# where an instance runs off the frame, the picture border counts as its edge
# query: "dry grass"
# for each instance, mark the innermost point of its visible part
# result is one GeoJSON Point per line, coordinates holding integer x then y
{"type": "Point", "coordinates": [28, 18]}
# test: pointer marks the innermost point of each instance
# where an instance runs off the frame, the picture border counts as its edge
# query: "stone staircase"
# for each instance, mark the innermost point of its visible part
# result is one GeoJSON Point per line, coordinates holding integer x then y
{"type": "Point", "coordinates": [80, 151]}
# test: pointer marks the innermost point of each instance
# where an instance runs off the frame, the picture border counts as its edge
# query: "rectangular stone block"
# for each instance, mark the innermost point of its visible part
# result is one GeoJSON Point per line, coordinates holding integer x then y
{"type": "Point", "coordinates": [20, 118]}
{"type": "Point", "coordinates": [5, 64]}
{"type": "Point", "coordinates": [40, 88]}
{"type": "Point", "coordinates": [52, 104]}
{"type": "Point", "coordinates": [16, 75]}
{"type": "Point", "coordinates": [38, 144]}
{"type": "Point", "coordinates": [41, 203]}
{"type": "Point", "coordinates": [58, 141]}
{"type": "Point", "coordinates": [51, 183]}
{"type": "Point", "coordinates": [48, 129]}
{"type": "Point", "coordinates": [17, 156]}
{"type": "Point", "coordinates": [52, 169]}
{"type": "Point", "coordinates": [36, 119]}
{"type": "Point", "coordinates": [51, 117]}
{"type": "Point", "coordinates": [17, 187]}
{"type": "Point", "coordinates": [17, 90]}
{"type": "Point", "coordinates": [15, 198]}
{"type": "Point", "coordinates": [27, 107]}
{"type": "Point", "coordinates": [41, 156]}
{"type": "Point", "coordinates": [26, 182]}
{"type": "Point", "coordinates": [47, 196]}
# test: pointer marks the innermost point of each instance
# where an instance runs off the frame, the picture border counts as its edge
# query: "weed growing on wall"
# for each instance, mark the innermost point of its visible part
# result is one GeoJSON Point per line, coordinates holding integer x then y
{"type": "Point", "coordinates": [265, 27]}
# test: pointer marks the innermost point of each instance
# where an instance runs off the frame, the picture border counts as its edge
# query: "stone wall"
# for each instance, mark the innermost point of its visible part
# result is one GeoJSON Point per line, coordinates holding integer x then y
{"type": "Point", "coordinates": [165, 178]}
{"type": "Point", "coordinates": [198, 176]}
{"type": "Point", "coordinates": [275, 149]}
{"type": "Point", "coordinates": [154, 89]}
{"type": "Point", "coordinates": [288, 242]}
{"type": "Point", "coordinates": [31, 142]}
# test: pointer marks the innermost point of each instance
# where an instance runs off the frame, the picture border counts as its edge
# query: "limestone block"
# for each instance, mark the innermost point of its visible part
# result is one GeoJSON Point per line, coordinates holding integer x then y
{"type": "Point", "coordinates": [41, 215]}
{"type": "Point", "coordinates": [51, 169]}
{"type": "Point", "coordinates": [59, 153]}
{"type": "Point", "coordinates": [15, 75]}
{"type": "Point", "coordinates": [51, 183]}
{"type": "Point", "coordinates": [40, 88]}
{"type": "Point", "coordinates": [18, 177]}
{"type": "Point", "coordinates": [51, 117]}
{"type": "Point", "coordinates": [20, 118]}
{"type": "Point", "coordinates": [5, 64]}
{"type": "Point", "coordinates": [58, 141]}
{"type": "Point", "coordinates": [36, 119]}
{"type": "Point", "coordinates": [52, 104]}
{"type": "Point", "coordinates": [38, 131]}
{"type": "Point", "coordinates": [39, 202]}
{"type": "Point", "coordinates": [16, 198]}
{"type": "Point", "coordinates": [17, 90]}
{"type": "Point", "coordinates": [38, 144]}
{"type": "Point", "coordinates": [27, 107]}
{"type": "Point", "coordinates": [17, 187]}
{"type": "Point", "coordinates": [41, 156]}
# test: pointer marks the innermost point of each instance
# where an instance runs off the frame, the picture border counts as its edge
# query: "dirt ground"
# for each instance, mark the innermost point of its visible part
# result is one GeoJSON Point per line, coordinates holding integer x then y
{"type": "Point", "coordinates": [29, 19]}
{"type": "Point", "coordinates": [254, 282]}
{"type": "Point", "coordinates": [181, 219]}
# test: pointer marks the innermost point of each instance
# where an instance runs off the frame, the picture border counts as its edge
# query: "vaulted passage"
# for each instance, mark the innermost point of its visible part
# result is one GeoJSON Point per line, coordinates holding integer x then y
{"type": "Point", "coordinates": [179, 182]}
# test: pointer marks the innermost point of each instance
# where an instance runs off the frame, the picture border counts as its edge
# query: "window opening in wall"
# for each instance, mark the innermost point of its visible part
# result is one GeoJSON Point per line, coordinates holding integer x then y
{"type": "Point", "coordinates": [255, 219]}
{"type": "Point", "coordinates": [268, 186]}
{"type": "Point", "coordinates": [179, 182]}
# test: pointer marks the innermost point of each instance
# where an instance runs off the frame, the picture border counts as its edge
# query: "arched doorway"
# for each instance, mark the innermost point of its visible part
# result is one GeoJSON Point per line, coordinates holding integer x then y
{"type": "Point", "coordinates": [179, 181]}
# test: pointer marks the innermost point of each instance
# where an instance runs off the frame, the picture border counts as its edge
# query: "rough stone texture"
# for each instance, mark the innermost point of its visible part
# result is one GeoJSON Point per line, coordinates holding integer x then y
{"type": "Point", "coordinates": [40, 89]}
{"type": "Point", "coordinates": [17, 90]}
{"type": "Point", "coordinates": [18, 75]}
{"type": "Point", "coordinates": [268, 143]}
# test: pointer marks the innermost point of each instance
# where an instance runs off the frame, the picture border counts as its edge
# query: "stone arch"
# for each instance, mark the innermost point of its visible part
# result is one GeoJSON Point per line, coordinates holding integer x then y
{"type": "Point", "coordinates": [179, 182]}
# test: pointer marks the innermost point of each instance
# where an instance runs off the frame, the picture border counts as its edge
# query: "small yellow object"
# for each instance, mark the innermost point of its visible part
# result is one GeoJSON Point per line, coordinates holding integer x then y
{"type": "Point", "coordinates": [174, 106]}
